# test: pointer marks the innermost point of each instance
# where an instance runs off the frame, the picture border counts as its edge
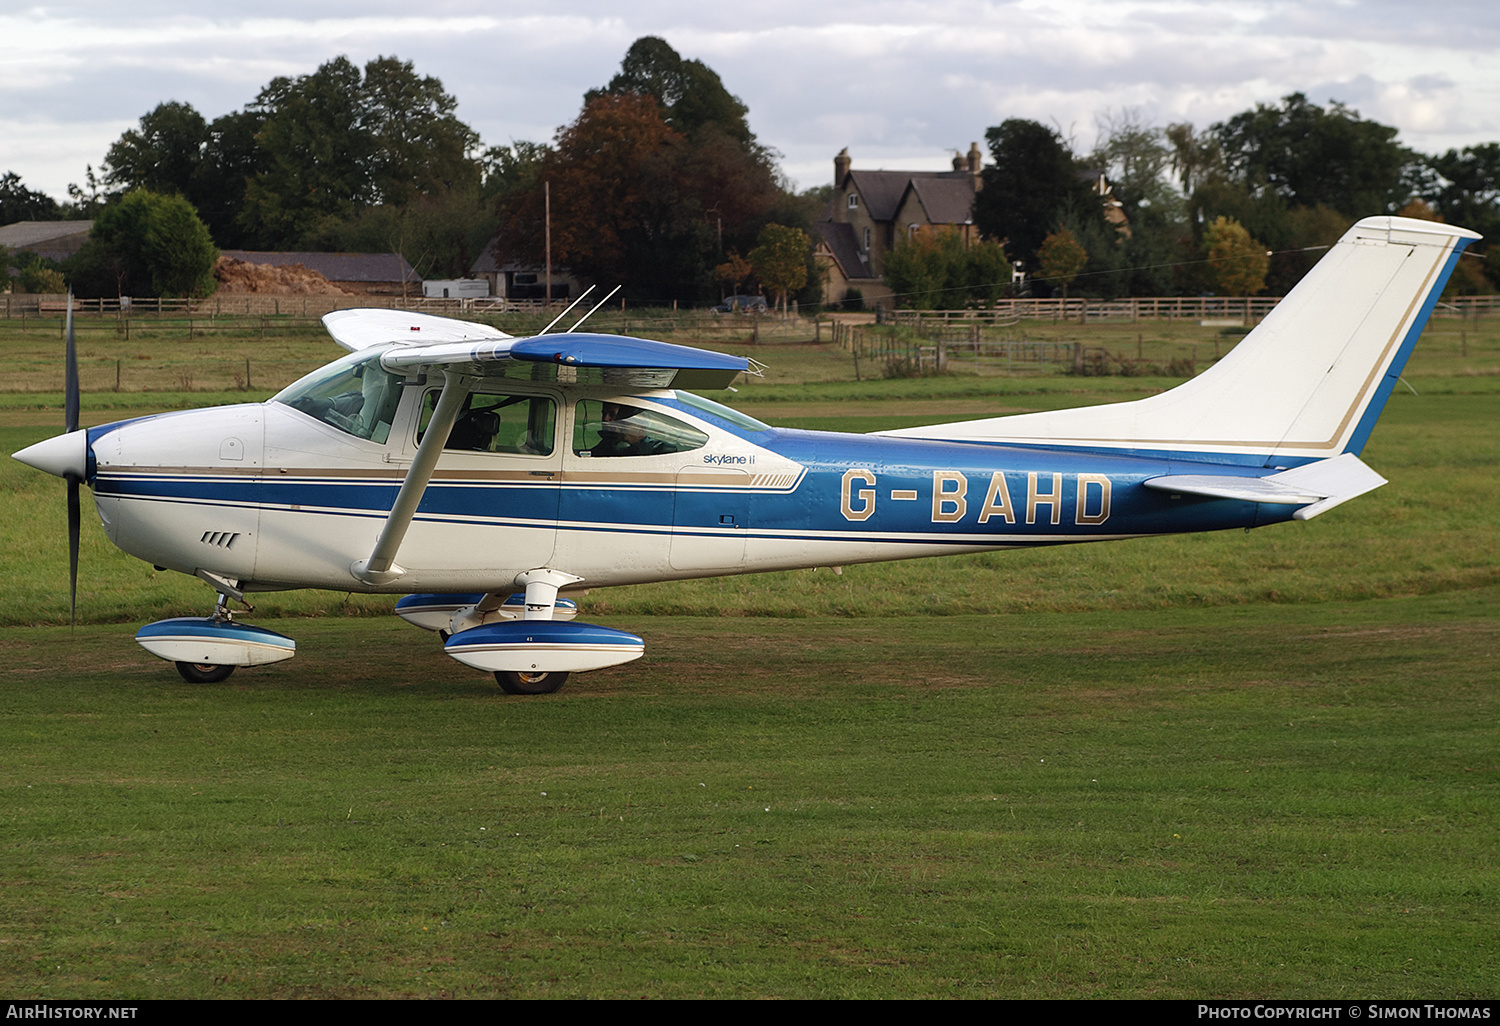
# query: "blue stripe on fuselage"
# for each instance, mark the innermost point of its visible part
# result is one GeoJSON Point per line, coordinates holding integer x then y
{"type": "Point", "coordinates": [890, 497]}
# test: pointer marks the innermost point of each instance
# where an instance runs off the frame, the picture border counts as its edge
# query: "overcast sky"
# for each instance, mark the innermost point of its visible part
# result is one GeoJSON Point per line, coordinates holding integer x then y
{"type": "Point", "coordinates": [902, 85]}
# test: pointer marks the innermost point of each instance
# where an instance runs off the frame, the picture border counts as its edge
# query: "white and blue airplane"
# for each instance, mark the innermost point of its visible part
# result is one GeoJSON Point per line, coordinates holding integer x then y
{"type": "Point", "coordinates": [483, 476]}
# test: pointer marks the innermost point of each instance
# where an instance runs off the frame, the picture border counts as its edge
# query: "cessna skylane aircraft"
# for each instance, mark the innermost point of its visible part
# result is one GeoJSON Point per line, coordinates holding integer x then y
{"type": "Point", "coordinates": [481, 475]}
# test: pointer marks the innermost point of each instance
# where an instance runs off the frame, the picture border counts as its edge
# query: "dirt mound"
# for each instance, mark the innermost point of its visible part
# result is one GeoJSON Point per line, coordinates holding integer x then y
{"type": "Point", "coordinates": [241, 276]}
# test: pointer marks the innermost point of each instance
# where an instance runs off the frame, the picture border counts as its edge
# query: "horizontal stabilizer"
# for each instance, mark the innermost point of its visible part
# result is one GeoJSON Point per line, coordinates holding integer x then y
{"type": "Point", "coordinates": [1318, 486]}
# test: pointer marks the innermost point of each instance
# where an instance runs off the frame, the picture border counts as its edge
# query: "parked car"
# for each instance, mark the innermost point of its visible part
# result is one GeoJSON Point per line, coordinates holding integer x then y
{"type": "Point", "coordinates": [742, 304]}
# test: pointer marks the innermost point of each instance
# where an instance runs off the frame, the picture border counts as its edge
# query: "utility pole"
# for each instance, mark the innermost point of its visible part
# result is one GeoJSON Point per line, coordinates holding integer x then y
{"type": "Point", "coordinates": [547, 196]}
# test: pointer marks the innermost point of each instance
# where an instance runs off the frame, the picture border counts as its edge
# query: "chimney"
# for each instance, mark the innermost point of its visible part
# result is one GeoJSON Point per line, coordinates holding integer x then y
{"type": "Point", "coordinates": [841, 167]}
{"type": "Point", "coordinates": [975, 159]}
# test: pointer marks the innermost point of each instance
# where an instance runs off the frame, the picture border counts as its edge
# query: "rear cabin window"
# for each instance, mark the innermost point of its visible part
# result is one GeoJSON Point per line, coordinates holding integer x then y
{"type": "Point", "coordinates": [510, 425]}
{"type": "Point", "coordinates": [610, 429]}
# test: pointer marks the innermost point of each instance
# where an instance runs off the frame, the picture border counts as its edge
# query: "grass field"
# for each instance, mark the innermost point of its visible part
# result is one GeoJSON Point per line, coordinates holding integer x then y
{"type": "Point", "coordinates": [1231, 765]}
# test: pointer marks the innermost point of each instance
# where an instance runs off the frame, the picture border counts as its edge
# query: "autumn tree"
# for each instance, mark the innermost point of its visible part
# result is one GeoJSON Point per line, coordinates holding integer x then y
{"type": "Point", "coordinates": [647, 189]}
{"type": "Point", "coordinates": [780, 260]}
{"type": "Point", "coordinates": [1239, 262]}
{"type": "Point", "coordinates": [732, 271]}
{"type": "Point", "coordinates": [1060, 259]}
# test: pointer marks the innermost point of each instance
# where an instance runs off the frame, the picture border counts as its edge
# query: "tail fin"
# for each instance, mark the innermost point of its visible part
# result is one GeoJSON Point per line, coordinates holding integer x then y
{"type": "Point", "coordinates": [1307, 383]}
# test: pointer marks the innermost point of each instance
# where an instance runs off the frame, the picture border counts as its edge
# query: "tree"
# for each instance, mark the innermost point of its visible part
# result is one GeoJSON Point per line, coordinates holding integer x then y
{"type": "Point", "coordinates": [1465, 187]}
{"type": "Point", "coordinates": [147, 244]}
{"type": "Point", "coordinates": [937, 270]}
{"type": "Point", "coordinates": [655, 206]}
{"type": "Point", "coordinates": [1239, 262]}
{"type": "Point", "coordinates": [1309, 155]}
{"type": "Point", "coordinates": [780, 260]}
{"type": "Point", "coordinates": [1031, 185]}
{"type": "Point", "coordinates": [18, 203]}
{"type": "Point", "coordinates": [337, 141]}
{"type": "Point", "coordinates": [164, 155]}
{"type": "Point", "coordinates": [1061, 258]}
{"type": "Point", "coordinates": [418, 147]}
{"type": "Point", "coordinates": [731, 272]}
{"type": "Point", "coordinates": [690, 94]}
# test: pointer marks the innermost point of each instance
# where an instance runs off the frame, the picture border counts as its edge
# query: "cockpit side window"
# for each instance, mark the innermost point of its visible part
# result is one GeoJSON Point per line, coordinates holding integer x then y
{"type": "Point", "coordinates": [618, 429]}
{"type": "Point", "coordinates": [355, 395]}
{"type": "Point", "coordinates": [514, 425]}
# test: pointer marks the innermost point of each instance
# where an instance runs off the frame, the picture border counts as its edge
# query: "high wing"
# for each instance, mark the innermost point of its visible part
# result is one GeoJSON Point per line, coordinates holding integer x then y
{"type": "Point", "coordinates": [581, 358]}
{"type": "Point", "coordinates": [361, 329]}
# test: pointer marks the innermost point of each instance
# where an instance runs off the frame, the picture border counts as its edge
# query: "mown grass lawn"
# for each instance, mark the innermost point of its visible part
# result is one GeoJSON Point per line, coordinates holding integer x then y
{"type": "Point", "coordinates": [1258, 764]}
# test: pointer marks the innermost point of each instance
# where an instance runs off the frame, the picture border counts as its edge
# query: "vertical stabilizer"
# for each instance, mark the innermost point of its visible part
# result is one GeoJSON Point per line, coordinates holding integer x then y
{"type": "Point", "coordinates": [1307, 383]}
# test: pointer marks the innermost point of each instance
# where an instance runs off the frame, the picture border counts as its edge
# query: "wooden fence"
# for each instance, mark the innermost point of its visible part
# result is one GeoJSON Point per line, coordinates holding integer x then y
{"type": "Point", "coordinates": [1224, 309]}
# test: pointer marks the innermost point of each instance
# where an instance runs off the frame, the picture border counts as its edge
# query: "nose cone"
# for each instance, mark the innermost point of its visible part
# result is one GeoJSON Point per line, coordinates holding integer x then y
{"type": "Point", "coordinates": [62, 455]}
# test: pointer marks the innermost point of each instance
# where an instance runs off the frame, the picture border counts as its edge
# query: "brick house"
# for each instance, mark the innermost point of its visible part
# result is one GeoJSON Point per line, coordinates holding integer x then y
{"type": "Point", "coordinates": [870, 210]}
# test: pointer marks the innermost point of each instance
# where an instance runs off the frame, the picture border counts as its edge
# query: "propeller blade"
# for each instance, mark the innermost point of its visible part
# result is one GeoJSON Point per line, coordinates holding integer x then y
{"type": "Point", "coordinates": [75, 523]}
{"type": "Point", "coordinates": [75, 517]}
{"type": "Point", "coordinates": [70, 383]}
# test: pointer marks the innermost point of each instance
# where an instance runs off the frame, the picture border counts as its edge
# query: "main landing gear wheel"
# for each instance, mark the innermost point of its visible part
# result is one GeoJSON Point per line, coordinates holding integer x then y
{"type": "Point", "coordinates": [529, 683]}
{"type": "Point", "coordinates": [205, 673]}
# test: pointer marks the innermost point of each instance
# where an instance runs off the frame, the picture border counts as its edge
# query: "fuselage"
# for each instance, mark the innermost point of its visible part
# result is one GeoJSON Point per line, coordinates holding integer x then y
{"type": "Point", "coordinates": [274, 497]}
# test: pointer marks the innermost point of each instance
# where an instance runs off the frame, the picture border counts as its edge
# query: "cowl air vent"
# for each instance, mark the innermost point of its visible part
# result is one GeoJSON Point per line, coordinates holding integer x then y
{"type": "Point", "coordinates": [219, 539]}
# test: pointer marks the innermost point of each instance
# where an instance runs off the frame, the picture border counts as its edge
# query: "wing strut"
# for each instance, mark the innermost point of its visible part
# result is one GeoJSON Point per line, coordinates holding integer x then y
{"type": "Point", "coordinates": [381, 566]}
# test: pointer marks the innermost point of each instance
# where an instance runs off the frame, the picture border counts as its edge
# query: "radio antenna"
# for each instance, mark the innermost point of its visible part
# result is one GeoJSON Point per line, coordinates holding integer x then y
{"type": "Point", "coordinates": [571, 305]}
{"type": "Point", "coordinates": [592, 312]}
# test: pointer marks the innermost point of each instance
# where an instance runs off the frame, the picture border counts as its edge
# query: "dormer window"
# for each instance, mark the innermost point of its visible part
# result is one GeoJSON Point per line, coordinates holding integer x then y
{"type": "Point", "coordinates": [853, 201]}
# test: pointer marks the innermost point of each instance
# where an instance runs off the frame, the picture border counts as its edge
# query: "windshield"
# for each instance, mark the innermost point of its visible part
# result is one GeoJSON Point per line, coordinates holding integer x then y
{"type": "Point", "coordinates": [354, 394]}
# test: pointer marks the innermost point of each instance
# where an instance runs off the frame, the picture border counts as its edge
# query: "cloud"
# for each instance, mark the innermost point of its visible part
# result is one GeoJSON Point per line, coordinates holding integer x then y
{"type": "Point", "coordinates": [901, 85]}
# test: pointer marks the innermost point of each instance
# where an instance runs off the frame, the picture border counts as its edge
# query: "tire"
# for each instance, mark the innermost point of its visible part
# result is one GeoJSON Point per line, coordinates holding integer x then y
{"type": "Point", "coordinates": [529, 683]}
{"type": "Point", "coordinates": [204, 673]}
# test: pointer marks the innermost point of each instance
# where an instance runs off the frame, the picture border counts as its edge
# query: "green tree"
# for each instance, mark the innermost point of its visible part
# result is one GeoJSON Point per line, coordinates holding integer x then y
{"type": "Point", "coordinates": [418, 146]}
{"type": "Point", "coordinates": [18, 203]}
{"type": "Point", "coordinates": [780, 260]}
{"type": "Point", "coordinates": [1032, 184]}
{"type": "Point", "coordinates": [691, 95]}
{"type": "Point", "coordinates": [1464, 187]}
{"type": "Point", "coordinates": [147, 244]}
{"type": "Point", "coordinates": [163, 155]}
{"type": "Point", "coordinates": [937, 270]}
{"type": "Point", "coordinates": [1239, 262]}
{"type": "Point", "coordinates": [1310, 155]}
{"type": "Point", "coordinates": [336, 141]}
{"type": "Point", "coordinates": [1061, 258]}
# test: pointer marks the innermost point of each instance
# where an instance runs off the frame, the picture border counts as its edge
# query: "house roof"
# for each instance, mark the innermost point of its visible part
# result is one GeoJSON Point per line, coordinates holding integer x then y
{"type": "Point", "coordinates": [884, 190]}
{"type": "Point", "coordinates": [947, 200]}
{"type": "Point", "coordinates": [843, 246]}
{"type": "Point", "coordinates": [370, 267]}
